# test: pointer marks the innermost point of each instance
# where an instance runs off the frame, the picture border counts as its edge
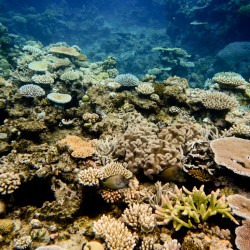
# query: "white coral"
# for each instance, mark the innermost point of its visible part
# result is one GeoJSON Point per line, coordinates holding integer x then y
{"type": "Point", "coordinates": [115, 233]}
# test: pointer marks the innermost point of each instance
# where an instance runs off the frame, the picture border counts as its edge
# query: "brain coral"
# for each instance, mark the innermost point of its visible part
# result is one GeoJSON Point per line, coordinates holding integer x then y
{"type": "Point", "coordinates": [78, 147]}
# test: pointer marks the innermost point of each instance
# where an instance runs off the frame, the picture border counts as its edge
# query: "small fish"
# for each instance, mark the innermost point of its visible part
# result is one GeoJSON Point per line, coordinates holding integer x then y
{"type": "Point", "coordinates": [115, 182]}
{"type": "Point", "coordinates": [198, 23]}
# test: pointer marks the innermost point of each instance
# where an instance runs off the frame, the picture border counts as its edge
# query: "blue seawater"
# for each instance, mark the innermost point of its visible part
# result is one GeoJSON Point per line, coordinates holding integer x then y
{"type": "Point", "coordinates": [129, 30]}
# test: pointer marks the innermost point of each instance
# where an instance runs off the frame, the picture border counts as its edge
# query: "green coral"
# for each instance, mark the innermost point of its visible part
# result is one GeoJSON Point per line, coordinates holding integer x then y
{"type": "Point", "coordinates": [185, 208]}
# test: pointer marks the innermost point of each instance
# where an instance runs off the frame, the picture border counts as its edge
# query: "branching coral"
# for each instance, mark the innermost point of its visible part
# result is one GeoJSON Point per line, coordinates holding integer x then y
{"type": "Point", "coordinates": [218, 101]}
{"type": "Point", "coordinates": [115, 233]}
{"type": "Point", "coordinates": [229, 80]}
{"type": "Point", "coordinates": [186, 208]}
{"type": "Point", "coordinates": [139, 216]}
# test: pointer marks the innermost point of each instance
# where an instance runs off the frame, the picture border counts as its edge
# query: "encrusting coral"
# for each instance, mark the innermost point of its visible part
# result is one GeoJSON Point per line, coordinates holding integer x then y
{"type": "Point", "coordinates": [242, 236]}
{"type": "Point", "coordinates": [186, 208]}
{"type": "Point", "coordinates": [78, 147]}
{"type": "Point", "coordinates": [240, 205]}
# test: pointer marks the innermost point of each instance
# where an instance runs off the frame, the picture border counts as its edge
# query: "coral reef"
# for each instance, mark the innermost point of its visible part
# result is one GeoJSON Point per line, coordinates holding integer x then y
{"type": "Point", "coordinates": [83, 150]}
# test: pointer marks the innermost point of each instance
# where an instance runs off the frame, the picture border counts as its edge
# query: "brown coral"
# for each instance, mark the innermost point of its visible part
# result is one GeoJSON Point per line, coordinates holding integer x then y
{"type": "Point", "coordinates": [65, 51]}
{"type": "Point", "coordinates": [78, 147]}
{"type": "Point", "coordinates": [218, 101]}
{"type": "Point", "coordinates": [240, 205]}
{"type": "Point", "coordinates": [232, 153]}
{"type": "Point", "coordinates": [229, 80]}
{"type": "Point", "coordinates": [115, 233]}
{"type": "Point", "coordinates": [242, 236]}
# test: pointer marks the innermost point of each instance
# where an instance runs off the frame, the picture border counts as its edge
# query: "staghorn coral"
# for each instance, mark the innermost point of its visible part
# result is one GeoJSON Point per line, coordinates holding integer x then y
{"type": "Point", "coordinates": [127, 80]}
{"type": "Point", "coordinates": [42, 79]}
{"type": "Point", "coordinates": [186, 208]}
{"type": "Point", "coordinates": [9, 182]}
{"type": "Point", "coordinates": [240, 205]}
{"type": "Point", "coordinates": [78, 147]}
{"type": "Point", "coordinates": [145, 88]}
{"type": "Point", "coordinates": [218, 101]}
{"type": "Point", "coordinates": [229, 80]}
{"type": "Point", "coordinates": [139, 217]}
{"type": "Point", "coordinates": [115, 234]}
{"type": "Point", "coordinates": [31, 90]}
{"type": "Point", "coordinates": [70, 75]}
{"type": "Point", "coordinates": [237, 130]}
{"type": "Point", "coordinates": [105, 149]}
{"type": "Point", "coordinates": [242, 236]}
{"type": "Point", "coordinates": [232, 153]}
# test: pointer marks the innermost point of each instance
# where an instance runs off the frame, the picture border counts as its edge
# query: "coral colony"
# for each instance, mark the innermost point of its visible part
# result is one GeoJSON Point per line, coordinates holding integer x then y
{"type": "Point", "coordinates": [93, 158]}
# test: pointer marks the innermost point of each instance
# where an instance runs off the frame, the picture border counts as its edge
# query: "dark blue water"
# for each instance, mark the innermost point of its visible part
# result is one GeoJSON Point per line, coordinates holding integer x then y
{"type": "Point", "coordinates": [129, 30]}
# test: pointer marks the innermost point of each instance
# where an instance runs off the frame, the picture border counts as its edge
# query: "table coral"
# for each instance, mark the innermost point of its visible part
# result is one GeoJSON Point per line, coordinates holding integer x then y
{"type": "Point", "coordinates": [240, 205]}
{"type": "Point", "coordinates": [232, 153]}
{"type": "Point", "coordinates": [242, 236]}
{"type": "Point", "coordinates": [218, 101]}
